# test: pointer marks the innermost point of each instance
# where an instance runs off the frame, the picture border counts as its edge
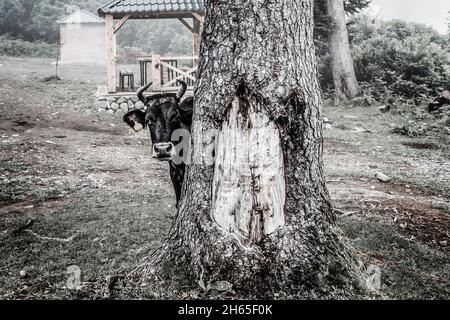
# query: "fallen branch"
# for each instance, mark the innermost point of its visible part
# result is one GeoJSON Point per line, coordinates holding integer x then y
{"type": "Point", "coordinates": [343, 213]}
{"type": "Point", "coordinates": [49, 238]}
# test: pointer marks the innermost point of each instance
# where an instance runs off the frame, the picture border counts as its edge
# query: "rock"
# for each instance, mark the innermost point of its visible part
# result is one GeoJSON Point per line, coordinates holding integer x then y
{"type": "Point", "coordinates": [370, 100]}
{"type": "Point", "coordinates": [101, 105]}
{"type": "Point", "coordinates": [446, 95]}
{"type": "Point", "coordinates": [101, 91]}
{"type": "Point", "coordinates": [121, 100]}
{"type": "Point", "coordinates": [23, 273]}
{"type": "Point", "coordinates": [111, 99]}
{"type": "Point", "coordinates": [130, 105]}
{"type": "Point", "coordinates": [221, 286]}
{"type": "Point", "coordinates": [101, 110]}
{"type": "Point", "coordinates": [120, 112]}
{"type": "Point", "coordinates": [384, 109]}
{"type": "Point", "coordinates": [382, 177]}
{"type": "Point", "coordinates": [139, 105]}
{"type": "Point", "coordinates": [361, 130]}
{"type": "Point", "coordinates": [442, 206]}
{"type": "Point", "coordinates": [327, 126]}
{"type": "Point", "coordinates": [124, 107]}
{"type": "Point", "coordinates": [443, 243]}
{"type": "Point", "coordinates": [134, 99]}
{"type": "Point", "coordinates": [115, 106]}
{"type": "Point", "coordinates": [110, 111]}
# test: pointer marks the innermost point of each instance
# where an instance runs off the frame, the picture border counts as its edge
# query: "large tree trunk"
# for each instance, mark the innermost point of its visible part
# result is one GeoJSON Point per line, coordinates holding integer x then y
{"type": "Point", "coordinates": [256, 212]}
{"type": "Point", "coordinates": [344, 77]}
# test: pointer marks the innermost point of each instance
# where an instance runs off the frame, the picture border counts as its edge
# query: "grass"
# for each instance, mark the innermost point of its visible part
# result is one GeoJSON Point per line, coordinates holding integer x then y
{"type": "Point", "coordinates": [380, 150]}
{"type": "Point", "coordinates": [113, 234]}
{"type": "Point", "coordinates": [409, 270]}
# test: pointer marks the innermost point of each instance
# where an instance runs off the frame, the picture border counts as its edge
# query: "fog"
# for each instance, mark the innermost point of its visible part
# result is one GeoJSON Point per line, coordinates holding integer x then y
{"type": "Point", "coordinates": [430, 12]}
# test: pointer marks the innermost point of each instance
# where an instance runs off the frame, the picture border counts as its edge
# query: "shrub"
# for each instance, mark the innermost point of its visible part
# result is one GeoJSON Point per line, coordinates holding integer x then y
{"type": "Point", "coordinates": [21, 48]}
{"type": "Point", "coordinates": [399, 58]}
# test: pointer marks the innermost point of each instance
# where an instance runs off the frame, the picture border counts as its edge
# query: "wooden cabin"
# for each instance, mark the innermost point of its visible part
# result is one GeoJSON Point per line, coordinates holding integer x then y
{"type": "Point", "coordinates": [164, 71]}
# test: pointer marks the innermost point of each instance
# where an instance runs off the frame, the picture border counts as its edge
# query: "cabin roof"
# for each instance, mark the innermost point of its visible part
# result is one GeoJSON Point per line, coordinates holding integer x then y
{"type": "Point", "coordinates": [80, 16]}
{"type": "Point", "coordinates": [152, 8]}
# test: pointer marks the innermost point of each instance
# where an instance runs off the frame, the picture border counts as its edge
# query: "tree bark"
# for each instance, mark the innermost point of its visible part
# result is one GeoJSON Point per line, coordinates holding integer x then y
{"type": "Point", "coordinates": [345, 82]}
{"type": "Point", "coordinates": [256, 211]}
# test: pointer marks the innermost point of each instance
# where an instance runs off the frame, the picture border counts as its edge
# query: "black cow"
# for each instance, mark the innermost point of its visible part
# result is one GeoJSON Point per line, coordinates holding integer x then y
{"type": "Point", "coordinates": [165, 113]}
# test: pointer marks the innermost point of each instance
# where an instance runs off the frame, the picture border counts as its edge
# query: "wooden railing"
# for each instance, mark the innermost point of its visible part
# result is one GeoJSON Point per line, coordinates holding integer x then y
{"type": "Point", "coordinates": [165, 71]}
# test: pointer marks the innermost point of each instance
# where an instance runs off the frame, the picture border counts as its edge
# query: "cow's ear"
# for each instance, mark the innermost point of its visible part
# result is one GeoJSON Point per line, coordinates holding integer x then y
{"type": "Point", "coordinates": [186, 109]}
{"type": "Point", "coordinates": [135, 119]}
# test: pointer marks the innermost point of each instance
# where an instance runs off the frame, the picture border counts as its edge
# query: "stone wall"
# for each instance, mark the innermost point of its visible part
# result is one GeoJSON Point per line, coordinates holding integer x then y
{"type": "Point", "coordinates": [118, 104]}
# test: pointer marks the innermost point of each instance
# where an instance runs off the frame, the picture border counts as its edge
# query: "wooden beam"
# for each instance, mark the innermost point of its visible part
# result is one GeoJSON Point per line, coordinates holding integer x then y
{"type": "Point", "coordinates": [186, 24]}
{"type": "Point", "coordinates": [121, 23]}
{"type": "Point", "coordinates": [198, 17]}
{"type": "Point", "coordinates": [156, 71]}
{"type": "Point", "coordinates": [179, 58]}
{"type": "Point", "coordinates": [182, 73]}
{"type": "Point", "coordinates": [110, 53]}
{"type": "Point", "coordinates": [171, 89]}
{"type": "Point", "coordinates": [196, 40]}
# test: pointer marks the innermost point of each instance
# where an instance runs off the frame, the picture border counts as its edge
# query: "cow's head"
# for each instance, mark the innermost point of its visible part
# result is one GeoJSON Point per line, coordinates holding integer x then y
{"type": "Point", "coordinates": [163, 116]}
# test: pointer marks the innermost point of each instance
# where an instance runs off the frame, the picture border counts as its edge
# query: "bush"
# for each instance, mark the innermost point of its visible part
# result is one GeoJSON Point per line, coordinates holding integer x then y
{"type": "Point", "coordinates": [21, 48]}
{"type": "Point", "coordinates": [399, 58]}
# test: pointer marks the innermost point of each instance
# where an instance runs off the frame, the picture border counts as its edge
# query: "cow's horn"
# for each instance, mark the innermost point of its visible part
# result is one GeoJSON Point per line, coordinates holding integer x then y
{"type": "Point", "coordinates": [140, 92]}
{"type": "Point", "coordinates": [183, 89]}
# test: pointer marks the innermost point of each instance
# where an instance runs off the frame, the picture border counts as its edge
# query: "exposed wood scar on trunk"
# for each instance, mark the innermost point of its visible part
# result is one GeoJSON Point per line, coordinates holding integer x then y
{"type": "Point", "coordinates": [249, 184]}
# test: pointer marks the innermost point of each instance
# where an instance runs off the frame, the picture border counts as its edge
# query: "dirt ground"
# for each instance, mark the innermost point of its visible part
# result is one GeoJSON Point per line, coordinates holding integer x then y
{"type": "Point", "coordinates": [78, 189]}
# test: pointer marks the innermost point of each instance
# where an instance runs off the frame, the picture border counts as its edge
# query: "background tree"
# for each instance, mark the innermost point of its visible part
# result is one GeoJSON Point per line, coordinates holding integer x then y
{"type": "Point", "coordinates": [9, 11]}
{"type": "Point", "coordinates": [161, 36]}
{"type": "Point", "coordinates": [256, 212]}
{"type": "Point", "coordinates": [345, 83]}
{"type": "Point", "coordinates": [323, 26]}
{"type": "Point", "coordinates": [36, 20]}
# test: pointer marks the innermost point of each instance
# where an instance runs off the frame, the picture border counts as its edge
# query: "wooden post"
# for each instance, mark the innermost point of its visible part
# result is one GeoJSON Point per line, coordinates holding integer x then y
{"type": "Point", "coordinates": [156, 71]}
{"type": "Point", "coordinates": [196, 49]}
{"type": "Point", "coordinates": [110, 53]}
